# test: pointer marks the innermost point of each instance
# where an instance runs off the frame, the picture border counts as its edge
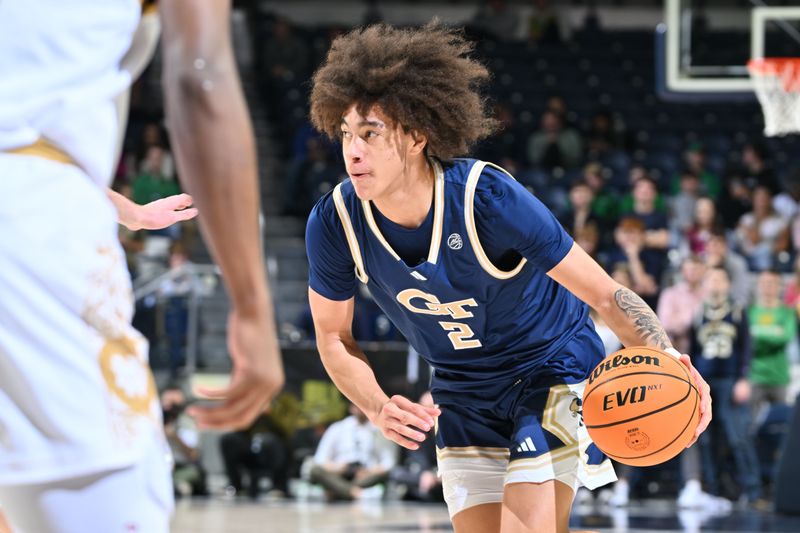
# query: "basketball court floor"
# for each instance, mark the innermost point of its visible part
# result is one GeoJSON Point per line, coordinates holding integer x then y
{"type": "Point", "coordinates": [219, 516]}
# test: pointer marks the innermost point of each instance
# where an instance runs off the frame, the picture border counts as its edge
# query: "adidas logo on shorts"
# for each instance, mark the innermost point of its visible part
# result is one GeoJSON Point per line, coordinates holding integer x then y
{"type": "Point", "coordinates": [526, 446]}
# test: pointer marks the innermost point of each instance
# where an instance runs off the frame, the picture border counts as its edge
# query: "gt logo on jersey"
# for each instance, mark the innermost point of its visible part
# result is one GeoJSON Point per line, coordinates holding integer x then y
{"type": "Point", "coordinates": [432, 305]}
{"type": "Point", "coordinates": [460, 334]}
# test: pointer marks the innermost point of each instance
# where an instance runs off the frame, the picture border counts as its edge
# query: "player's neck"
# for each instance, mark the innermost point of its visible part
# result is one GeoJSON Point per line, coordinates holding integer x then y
{"type": "Point", "coordinates": [409, 203]}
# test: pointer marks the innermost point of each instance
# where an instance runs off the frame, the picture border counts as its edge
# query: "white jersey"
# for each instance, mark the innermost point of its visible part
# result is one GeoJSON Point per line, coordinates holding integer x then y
{"type": "Point", "coordinates": [76, 392]}
{"type": "Point", "coordinates": [60, 72]}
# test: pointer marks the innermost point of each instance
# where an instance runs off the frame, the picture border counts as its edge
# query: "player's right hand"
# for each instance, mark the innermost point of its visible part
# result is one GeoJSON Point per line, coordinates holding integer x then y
{"type": "Point", "coordinates": [256, 378]}
{"type": "Point", "coordinates": [400, 420]}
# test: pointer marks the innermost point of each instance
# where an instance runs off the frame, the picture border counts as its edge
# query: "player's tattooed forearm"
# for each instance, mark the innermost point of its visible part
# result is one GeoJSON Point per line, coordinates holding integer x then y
{"type": "Point", "coordinates": [644, 319]}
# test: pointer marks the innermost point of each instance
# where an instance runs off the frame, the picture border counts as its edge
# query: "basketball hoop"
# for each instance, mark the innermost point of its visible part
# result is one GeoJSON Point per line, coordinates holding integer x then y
{"type": "Point", "coordinates": [777, 85]}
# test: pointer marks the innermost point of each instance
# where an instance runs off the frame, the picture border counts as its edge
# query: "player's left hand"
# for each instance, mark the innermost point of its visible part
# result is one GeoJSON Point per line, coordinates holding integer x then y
{"type": "Point", "coordinates": [705, 398]}
{"type": "Point", "coordinates": [163, 213]}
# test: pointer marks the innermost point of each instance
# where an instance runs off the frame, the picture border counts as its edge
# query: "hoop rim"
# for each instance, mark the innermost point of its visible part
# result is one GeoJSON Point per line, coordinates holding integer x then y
{"type": "Point", "coordinates": [785, 68]}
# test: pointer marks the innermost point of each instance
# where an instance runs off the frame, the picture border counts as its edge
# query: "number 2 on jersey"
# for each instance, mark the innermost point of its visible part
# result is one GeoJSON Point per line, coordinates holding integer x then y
{"type": "Point", "coordinates": [460, 335]}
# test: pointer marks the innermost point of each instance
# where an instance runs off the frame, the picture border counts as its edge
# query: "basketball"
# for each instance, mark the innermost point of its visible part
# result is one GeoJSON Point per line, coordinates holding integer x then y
{"type": "Point", "coordinates": [640, 406]}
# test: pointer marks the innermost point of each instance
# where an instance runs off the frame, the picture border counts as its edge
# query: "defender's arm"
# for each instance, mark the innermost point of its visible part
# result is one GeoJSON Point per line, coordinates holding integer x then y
{"type": "Point", "coordinates": [214, 147]}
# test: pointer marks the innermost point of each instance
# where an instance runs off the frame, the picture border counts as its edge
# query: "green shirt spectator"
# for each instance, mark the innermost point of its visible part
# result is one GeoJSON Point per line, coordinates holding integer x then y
{"type": "Point", "coordinates": [154, 181]}
{"type": "Point", "coordinates": [771, 328]}
{"type": "Point", "coordinates": [695, 158]}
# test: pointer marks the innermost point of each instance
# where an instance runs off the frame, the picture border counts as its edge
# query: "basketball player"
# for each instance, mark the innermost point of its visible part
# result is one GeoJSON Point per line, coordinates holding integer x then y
{"type": "Point", "coordinates": [476, 273]}
{"type": "Point", "coordinates": [81, 442]}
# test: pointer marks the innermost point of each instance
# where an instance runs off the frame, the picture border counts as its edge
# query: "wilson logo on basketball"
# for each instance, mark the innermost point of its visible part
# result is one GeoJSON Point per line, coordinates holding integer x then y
{"type": "Point", "coordinates": [622, 360]}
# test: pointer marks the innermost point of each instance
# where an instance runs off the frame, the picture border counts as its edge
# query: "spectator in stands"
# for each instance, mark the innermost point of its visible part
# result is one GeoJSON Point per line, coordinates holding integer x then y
{"type": "Point", "coordinates": [155, 180]}
{"type": "Point", "coordinates": [260, 452]}
{"type": "Point", "coordinates": [415, 474]}
{"type": "Point", "coordinates": [639, 172]}
{"type": "Point", "coordinates": [695, 161]}
{"type": "Point", "coordinates": [153, 135]}
{"type": "Point", "coordinates": [721, 352]}
{"type": "Point", "coordinates": [605, 205]}
{"type": "Point", "coordinates": [602, 138]}
{"type": "Point", "coordinates": [718, 254]}
{"type": "Point", "coordinates": [773, 326]}
{"type": "Point", "coordinates": [679, 303]}
{"type": "Point", "coordinates": [682, 204]}
{"type": "Point", "coordinates": [762, 233]}
{"type": "Point", "coordinates": [554, 145]}
{"type": "Point", "coordinates": [645, 267]}
{"type": "Point", "coordinates": [176, 290]}
{"type": "Point", "coordinates": [544, 26]}
{"type": "Point", "coordinates": [734, 201]}
{"type": "Point", "coordinates": [188, 474]}
{"type": "Point", "coordinates": [756, 171]}
{"type": "Point", "coordinates": [558, 105]}
{"type": "Point", "coordinates": [657, 237]}
{"type": "Point", "coordinates": [704, 223]}
{"type": "Point", "coordinates": [579, 214]}
{"type": "Point", "coordinates": [352, 456]}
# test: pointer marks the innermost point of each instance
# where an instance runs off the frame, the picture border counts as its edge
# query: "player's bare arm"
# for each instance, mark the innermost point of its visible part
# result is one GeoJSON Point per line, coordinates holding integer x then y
{"type": "Point", "coordinates": [158, 214]}
{"type": "Point", "coordinates": [399, 419]}
{"type": "Point", "coordinates": [215, 152]}
{"type": "Point", "coordinates": [625, 312]}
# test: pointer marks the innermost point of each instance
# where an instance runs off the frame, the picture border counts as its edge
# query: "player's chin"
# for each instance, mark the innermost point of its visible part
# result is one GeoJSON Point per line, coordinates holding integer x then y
{"type": "Point", "coordinates": [363, 191]}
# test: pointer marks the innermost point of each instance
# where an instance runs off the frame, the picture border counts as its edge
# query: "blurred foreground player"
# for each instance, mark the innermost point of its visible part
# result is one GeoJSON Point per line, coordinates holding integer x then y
{"type": "Point", "coordinates": [475, 272]}
{"type": "Point", "coordinates": [81, 442]}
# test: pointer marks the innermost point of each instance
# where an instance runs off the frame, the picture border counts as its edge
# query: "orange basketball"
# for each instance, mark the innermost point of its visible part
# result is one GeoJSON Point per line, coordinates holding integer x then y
{"type": "Point", "coordinates": [640, 406]}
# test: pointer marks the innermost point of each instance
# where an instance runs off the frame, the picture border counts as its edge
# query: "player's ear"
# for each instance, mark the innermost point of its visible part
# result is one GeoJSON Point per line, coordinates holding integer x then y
{"type": "Point", "coordinates": [418, 142]}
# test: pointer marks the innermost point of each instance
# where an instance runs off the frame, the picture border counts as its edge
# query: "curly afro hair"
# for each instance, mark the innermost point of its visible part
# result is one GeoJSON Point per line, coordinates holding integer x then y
{"type": "Point", "coordinates": [421, 78]}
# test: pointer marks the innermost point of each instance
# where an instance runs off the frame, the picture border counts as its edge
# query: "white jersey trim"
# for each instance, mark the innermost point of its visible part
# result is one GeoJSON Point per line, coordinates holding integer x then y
{"type": "Point", "coordinates": [469, 218]}
{"type": "Point", "coordinates": [352, 242]}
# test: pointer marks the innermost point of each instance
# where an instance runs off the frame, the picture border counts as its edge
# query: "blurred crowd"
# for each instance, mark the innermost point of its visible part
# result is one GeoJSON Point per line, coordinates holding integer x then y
{"type": "Point", "coordinates": [320, 447]}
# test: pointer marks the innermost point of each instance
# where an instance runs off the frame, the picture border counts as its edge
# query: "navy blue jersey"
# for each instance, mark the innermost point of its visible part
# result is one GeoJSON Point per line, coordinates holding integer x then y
{"type": "Point", "coordinates": [471, 318]}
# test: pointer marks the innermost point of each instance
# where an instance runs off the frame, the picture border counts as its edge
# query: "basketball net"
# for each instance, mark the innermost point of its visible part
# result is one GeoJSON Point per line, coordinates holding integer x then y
{"type": "Point", "coordinates": [777, 85]}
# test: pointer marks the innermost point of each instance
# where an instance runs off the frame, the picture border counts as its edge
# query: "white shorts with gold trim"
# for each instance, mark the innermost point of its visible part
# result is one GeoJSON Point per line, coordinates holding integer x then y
{"type": "Point", "coordinates": [76, 392]}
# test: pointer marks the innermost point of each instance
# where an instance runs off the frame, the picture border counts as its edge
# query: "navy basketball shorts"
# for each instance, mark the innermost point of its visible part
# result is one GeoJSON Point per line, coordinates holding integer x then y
{"type": "Point", "coordinates": [528, 430]}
